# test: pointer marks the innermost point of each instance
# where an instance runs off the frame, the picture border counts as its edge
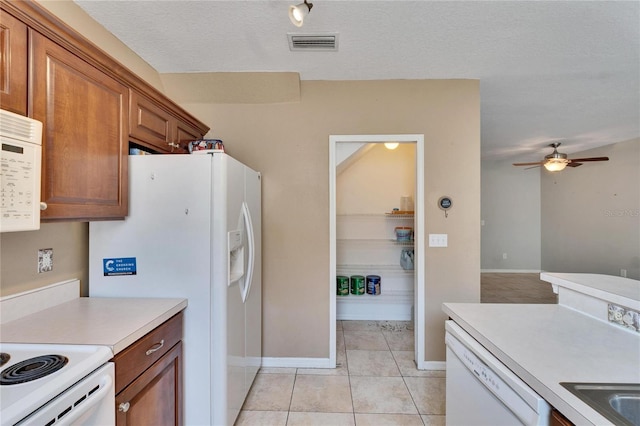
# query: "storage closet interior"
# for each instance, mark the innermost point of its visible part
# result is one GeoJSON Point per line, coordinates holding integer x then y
{"type": "Point", "coordinates": [375, 189]}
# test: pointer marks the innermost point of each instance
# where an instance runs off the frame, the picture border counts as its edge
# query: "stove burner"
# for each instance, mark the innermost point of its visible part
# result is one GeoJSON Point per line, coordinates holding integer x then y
{"type": "Point", "coordinates": [32, 369]}
{"type": "Point", "coordinates": [4, 358]}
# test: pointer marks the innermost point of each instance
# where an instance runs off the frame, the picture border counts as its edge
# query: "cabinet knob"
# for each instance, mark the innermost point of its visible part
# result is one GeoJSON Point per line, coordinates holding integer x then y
{"type": "Point", "coordinates": [43, 205]}
{"type": "Point", "coordinates": [124, 407]}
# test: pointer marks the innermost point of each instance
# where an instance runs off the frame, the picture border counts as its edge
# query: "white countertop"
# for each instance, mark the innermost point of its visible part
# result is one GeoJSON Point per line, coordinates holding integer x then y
{"type": "Point", "coordinates": [548, 344]}
{"type": "Point", "coordinates": [624, 291]}
{"type": "Point", "coordinates": [112, 322]}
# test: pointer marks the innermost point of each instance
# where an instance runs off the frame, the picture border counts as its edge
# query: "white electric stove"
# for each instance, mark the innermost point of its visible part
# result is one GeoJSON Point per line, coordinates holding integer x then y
{"type": "Point", "coordinates": [46, 384]}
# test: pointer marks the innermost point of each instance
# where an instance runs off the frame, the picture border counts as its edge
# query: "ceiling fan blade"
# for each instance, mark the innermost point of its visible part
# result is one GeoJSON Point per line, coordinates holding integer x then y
{"type": "Point", "coordinates": [533, 167]}
{"type": "Point", "coordinates": [583, 160]}
{"type": "Point", "coordinates": [537, 163]}
{"type": "Point", "coordinates": [574, 164]}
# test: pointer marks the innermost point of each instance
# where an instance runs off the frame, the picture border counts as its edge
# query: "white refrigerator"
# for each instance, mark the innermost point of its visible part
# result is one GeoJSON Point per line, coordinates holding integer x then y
{"type": "Point", "coordinates": [193, 231]}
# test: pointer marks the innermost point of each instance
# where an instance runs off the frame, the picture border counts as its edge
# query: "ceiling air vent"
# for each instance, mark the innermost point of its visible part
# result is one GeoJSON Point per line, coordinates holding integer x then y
{"type": "Point", "coordinates": [313, 42]}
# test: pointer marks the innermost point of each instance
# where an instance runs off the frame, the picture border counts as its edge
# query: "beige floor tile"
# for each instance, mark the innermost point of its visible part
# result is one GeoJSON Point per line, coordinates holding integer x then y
{"type": "Point", "coordinates": [407, 366]}
{"type": "Point", "coordinates": [356, 325]}
{"type": "Point", "coordinates": [365, 340]}
{"type": "Point", "coordinates": [261, 418]}
{"type": "Point", "coordinates": [428, 393]}
{"type": "Point", "coordinates": [325, 394]}
{"type": "Point", "coordinates": [388, 420]}
{"type": "Point", "coordinates": [387, 395]}
{"type": "Point", "coordinates": [395, 325]}
{"type": "Point", "coordinates": [338, 325]}
{"type": "Point", "coordinates": [277, 370]}
{"type": "Point", "coordinates": [433, 420]}
{"type": "Point", "coordinates": [339, 341]}
{"type": "Point", "coordinates": [399, 340]}
{"type": "Point", "coordinates": [320, 419]}
{"type": "Point", "coordinates": [270, 392]}
{"type": "Point", "coordinates": [372, 363]}
{"type": "Point", "coordinates": [339, 371]}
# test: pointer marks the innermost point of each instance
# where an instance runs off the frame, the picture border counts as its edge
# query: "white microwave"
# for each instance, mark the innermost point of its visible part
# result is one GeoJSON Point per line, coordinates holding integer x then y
{"type": "Point", "coordinates": [20, 169]}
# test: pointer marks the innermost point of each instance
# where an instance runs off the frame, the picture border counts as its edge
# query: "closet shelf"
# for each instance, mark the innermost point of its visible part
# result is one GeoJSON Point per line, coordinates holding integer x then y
{"type": "Point", "coordinates": [385, 297]}
{"type": "Point", "coordinates": [374, 216]}
{"type": "Point", "coordinates": [369, 241]}
{"type": "Point", "coordinates": [358, 269]}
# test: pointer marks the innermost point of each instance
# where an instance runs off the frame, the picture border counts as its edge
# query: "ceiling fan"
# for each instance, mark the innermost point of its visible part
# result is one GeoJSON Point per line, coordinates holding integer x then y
{"type": "Point", "coordinates": [557, 161]}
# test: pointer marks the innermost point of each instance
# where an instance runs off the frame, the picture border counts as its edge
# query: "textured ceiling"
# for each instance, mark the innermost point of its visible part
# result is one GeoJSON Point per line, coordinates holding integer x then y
{"type": "Point", "coordinates": [564, 71]}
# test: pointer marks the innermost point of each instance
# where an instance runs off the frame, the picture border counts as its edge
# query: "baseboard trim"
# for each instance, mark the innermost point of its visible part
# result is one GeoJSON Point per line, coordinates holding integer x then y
{"type": "Point", "coordinates": [433, 365]}
{"type": "Point", "coordinates": [512, 271]}
{"type": "Point", "coordinates": [289, 362]}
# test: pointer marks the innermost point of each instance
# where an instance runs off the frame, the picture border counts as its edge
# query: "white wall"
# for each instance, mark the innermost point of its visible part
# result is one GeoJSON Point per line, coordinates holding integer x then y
{"type": "Point", "coordinates": [591, 214]}
{"type": "Point", "coordinates": [511, 213]}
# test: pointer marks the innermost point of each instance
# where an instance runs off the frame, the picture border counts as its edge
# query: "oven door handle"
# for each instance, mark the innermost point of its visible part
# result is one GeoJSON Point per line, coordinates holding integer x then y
{"type": "Point", "coordinates": [92, 402]}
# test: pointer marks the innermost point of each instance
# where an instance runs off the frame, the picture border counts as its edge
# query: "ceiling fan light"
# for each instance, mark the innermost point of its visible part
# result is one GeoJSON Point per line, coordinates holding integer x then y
{"type": "Point", "coordinates": [555, 165]}
{"type": "Point", "coordinates": [298, 12]}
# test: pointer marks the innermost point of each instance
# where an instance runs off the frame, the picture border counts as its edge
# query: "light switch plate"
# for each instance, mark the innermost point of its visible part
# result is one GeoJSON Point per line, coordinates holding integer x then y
{"type": "Point", "coordinates": [438, 240]}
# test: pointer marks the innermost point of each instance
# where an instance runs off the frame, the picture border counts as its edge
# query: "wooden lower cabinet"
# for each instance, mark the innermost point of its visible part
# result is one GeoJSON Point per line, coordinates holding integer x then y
{"type": "Point", "coordinates": [155, 397]}
{"type": "Point", "coordinates": [558, 419]}
{"type": "Point", "coordinates": [149, 385]}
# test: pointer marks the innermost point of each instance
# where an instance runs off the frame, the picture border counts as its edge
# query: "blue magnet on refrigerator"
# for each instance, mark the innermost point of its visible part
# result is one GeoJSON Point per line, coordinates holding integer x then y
{"type": "Point", "coordinates": [118, 266]}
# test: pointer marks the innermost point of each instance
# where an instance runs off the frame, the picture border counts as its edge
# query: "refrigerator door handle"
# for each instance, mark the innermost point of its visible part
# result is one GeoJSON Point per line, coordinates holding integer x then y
{"type": "Point", "coordinates": [248, 276]}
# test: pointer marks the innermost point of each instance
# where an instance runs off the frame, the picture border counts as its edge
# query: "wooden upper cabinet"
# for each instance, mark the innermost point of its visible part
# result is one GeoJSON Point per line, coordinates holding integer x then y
{"type": "Point", "coordinates": [149, 124]}
{"type": "Point", "coordinates": [153, 126]}
{"type": "Point", "coordinates": [185, 134]}
{"type": "Point", "coordinates": [13, 64]}
{"type": "Point", "coordinates": [82, 96]}
{"type": "Point", "coordinates": [85, 145]}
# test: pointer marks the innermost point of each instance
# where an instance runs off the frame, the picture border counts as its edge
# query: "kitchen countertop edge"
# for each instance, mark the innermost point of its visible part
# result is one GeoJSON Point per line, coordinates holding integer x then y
{"type": "Point", "coordinates": [112, 322]}
{"type": "Point", "coordinates": [568, 404]}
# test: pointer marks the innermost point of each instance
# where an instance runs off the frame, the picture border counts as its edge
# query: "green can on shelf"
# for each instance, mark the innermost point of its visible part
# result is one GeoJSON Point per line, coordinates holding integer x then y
{"type": "Point", "coordinates": [357, 284]}
{"type": "Point", "coordinates": [342, 284]}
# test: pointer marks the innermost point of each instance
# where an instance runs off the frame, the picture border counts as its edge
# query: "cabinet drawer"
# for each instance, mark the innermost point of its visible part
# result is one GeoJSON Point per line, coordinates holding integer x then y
{"type": "Point", "coordinates": [134, 360]}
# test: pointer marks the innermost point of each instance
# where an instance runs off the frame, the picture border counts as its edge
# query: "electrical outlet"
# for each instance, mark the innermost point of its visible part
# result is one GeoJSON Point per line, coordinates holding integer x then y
{"type": "Point", "coordinates": [623, 273]}
{"type": "Point", "coordinates": [45, 260]}
{"type": "Point", "coordinates": [504, 256]}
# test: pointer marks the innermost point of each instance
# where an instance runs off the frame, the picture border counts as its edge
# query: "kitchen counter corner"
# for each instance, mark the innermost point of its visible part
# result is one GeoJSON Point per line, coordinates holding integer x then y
{"type": "Point", "coordinates": [548, 344]}
{"type": "Point", "coordinates": [112, 322]}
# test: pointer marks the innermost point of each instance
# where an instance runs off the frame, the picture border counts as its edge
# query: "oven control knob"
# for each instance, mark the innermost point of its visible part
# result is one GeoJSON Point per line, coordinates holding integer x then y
{"type": "Point", "coordinates": [124, 407]}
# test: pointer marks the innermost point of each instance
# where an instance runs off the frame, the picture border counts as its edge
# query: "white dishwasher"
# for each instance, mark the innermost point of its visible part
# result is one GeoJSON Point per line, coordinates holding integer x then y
{"type": "Point", "coordinates": [483, 391]}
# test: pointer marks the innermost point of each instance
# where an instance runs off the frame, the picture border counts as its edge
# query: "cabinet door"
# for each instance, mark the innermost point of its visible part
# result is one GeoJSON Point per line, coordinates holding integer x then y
{"type": "Point", "coordinates": [150, 125]}
{"type": "Point", "coordinates": [85, 144]}
{"type": "Point", "coordinates": [155, 397]}
{"type": "Point", "coordinates": [185, 134]}
{"type": "Point", "coordinates": [13, 64]}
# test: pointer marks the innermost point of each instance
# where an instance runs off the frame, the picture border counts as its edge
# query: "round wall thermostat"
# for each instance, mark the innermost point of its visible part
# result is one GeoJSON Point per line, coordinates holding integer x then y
{"type": "Point", "coordinates": [445, 203]}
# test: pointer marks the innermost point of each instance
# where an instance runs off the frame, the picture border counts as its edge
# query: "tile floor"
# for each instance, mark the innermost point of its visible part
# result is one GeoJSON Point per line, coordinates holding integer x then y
{"type": "Point", "coordinates": [376, 383]}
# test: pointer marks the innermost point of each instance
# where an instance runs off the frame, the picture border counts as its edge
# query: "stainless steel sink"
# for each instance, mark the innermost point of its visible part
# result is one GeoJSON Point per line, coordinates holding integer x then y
{"type": "Point", "coordinates": [618, 402]}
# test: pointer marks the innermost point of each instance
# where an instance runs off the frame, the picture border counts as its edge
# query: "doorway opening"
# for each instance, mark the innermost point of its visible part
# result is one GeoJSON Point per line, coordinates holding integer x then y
{"type": "Point", "coordinates": [347, 219]}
